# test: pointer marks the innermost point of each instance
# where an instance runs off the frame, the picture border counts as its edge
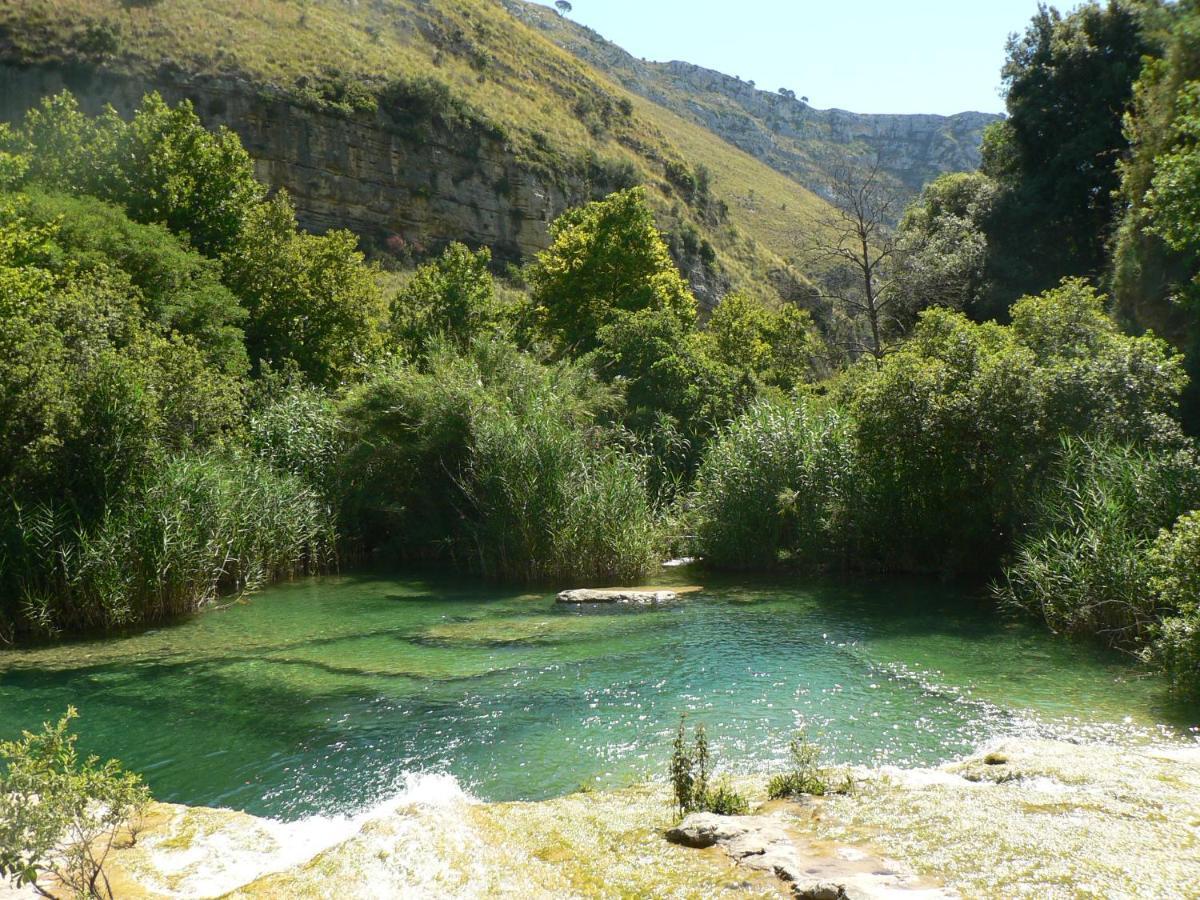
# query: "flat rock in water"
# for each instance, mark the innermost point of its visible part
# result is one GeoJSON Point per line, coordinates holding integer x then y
{"type": "Point", "coordinates": [616, 595]}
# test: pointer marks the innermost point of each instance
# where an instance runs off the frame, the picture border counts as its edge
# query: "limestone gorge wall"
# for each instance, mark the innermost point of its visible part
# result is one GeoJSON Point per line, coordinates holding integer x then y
{"type": "Point", "coordinates": [346, 171]}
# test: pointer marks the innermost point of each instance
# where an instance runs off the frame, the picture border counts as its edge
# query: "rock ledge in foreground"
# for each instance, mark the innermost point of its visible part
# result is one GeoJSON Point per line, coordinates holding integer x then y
{"type": "Point", "coordinates": [757, 842]}
{"type": "Point", "coordinates": [616, 595]}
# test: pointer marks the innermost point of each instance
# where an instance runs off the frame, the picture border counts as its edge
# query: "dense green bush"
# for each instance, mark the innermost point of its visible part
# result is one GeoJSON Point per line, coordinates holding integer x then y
{"type": "Point", "coordinates": [779, 484]}
{"type": "Point", "coordinates": [94, 389]}
{"type": "Point", "coordinates": [956, 428]}
{"type": "Point", "coordinates": [492, 460]}
{"type": "Point", "coordinates": [1084, 563]}
{"type": "Point", "coordinates": [946, 433]}
{"type": "Point", "coordinates": [548, 503]}
{"type": "Point", "coordinates": [1175, 579]}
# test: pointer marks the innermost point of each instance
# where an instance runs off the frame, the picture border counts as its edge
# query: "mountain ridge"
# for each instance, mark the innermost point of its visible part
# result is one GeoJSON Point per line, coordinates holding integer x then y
{"type": "Point", "coordinates": [776, 127]}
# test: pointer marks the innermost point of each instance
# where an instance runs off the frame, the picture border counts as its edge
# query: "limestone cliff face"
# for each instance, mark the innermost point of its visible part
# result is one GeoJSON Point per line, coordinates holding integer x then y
{"type": "Point", "coordinates": [782, 131]}
{"type": "Point", "coordinates": [428, 186]}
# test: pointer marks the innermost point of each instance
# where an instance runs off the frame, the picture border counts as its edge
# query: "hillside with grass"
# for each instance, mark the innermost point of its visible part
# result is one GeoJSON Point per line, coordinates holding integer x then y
{"type": "Point", "coordinates": [417, 123]}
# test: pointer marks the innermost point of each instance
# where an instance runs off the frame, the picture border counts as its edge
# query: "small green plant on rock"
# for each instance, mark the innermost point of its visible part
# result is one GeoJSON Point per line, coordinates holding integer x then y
{"type": "Point", "coordinates": [60, 816]}
{"type": "Point", "coordinates": [691, 767]}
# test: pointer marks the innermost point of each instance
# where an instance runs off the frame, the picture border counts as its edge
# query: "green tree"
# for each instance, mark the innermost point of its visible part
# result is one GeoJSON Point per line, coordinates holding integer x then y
{"type": "Point", "coordinates": [453, 298]}
{"type": "Point", "coordinates": [177, 288]}
{"type": "Point", "coordinates": [163, 166]}
{"type": "Point", "coordinates": [774, 344]}
{"type": "Point", "coordinates": [1068, 83]}
{"type": "Point", "coordinates": [1156, 257]}
{"type": "Point", "coordinates": [605, 259]}
{"type": "Point", "coordinates": [312, 300]}
{"type": "Point", "coordinates": [175, 171]}
{"type": "Point", "coordinates": [942, 245]}
{"type": "Point", "coordinates": [670, 379]}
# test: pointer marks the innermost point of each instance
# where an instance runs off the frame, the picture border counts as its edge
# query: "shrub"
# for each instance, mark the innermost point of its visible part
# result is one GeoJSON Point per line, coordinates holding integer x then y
{"type": "Point", "coordinates": [1175, 565]}
{"type": "Point", "coordinates": [494, 460]}
{"type": "Point", "coordinates": [60, 815]}
{"type": "Point", "coordinates": [298, 431]}
{"type": "Point", "coordinates": [546, 504]}
{"type": "Point", "coordinates": [1084, 564]}
{"type": "Point", "coordinates": [725, 801]}
{"type": "Point", "coordinates": [780, 482]}
{"type": "Point", "coordinates": [176, 287]}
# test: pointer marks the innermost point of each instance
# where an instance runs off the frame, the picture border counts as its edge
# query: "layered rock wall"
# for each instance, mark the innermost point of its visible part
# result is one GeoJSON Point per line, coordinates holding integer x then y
{"type": "Point", "coordinates": [429, 186]}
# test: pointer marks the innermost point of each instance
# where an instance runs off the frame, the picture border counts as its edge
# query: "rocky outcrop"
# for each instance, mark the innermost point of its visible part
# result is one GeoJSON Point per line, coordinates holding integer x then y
{"type": "Point", "coordinates": [756, 842]}
{"type": "Point", "coordinates": [417, 185]}
{"type": "Point", "coordinates": [616, 595]}
{"type": "Point", "coordinates": [767, 843]}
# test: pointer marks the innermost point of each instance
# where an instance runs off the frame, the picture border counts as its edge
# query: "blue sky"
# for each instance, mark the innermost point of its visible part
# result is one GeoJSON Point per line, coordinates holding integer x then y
{"type": "Point", "coordinates": [903, 56]}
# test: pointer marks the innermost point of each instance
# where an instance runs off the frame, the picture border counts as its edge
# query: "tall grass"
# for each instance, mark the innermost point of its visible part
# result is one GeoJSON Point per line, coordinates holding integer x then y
{"type": "Point", "coordinates": [550, 505]}
{"type": "Point", "coordinates": [777, 485]}
{"type": "Point", "coordinates": [1084, 566]}
{"type": "Point", "coordinates": [494, 461]}
{"type": "Point", "coordinates": [200, 526]}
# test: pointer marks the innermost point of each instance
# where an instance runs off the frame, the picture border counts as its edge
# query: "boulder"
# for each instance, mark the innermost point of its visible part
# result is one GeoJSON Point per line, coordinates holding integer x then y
{"type": "Point", "coordinates": [616, 595]}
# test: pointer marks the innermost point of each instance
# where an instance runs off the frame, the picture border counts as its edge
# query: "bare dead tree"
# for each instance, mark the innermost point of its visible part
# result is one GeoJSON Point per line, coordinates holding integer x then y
{"type": "Point", "coordinates": [855, 244]}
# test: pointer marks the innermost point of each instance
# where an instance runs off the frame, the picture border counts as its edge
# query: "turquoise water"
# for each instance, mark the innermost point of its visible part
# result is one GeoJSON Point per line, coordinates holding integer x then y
{"type": "Point", "coordinates": [321, 696]}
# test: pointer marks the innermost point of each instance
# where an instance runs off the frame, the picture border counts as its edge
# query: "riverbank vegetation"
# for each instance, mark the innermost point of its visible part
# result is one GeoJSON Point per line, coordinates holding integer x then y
{"type": "Point", "coordinates": [200, 397]}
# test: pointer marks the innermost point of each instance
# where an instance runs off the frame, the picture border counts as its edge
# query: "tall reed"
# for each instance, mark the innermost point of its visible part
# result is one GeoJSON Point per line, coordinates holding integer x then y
{"type": "Point", "coordinates": [199, 527]}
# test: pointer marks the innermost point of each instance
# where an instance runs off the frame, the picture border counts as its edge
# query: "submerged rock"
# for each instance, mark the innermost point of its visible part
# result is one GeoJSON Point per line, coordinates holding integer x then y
{"type": "Point", "coordinates": [616, 595]}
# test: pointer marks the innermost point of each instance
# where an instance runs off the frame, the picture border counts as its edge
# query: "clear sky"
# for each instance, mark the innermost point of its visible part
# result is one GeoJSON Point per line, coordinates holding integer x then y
{"type": "Point", "coordinates": [874, 56]}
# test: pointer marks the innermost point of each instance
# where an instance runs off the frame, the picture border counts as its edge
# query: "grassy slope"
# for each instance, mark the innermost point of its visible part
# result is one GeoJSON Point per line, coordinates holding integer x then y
{"type": "Point", "coordinates": [552, 107]}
